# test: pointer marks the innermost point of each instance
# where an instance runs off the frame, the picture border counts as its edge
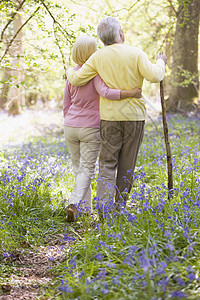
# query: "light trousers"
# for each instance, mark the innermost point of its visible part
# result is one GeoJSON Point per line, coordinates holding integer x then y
{"type": "Point", "coordinates": [83, 144]}
{"type": "Point", "coordinates": [119, 147]}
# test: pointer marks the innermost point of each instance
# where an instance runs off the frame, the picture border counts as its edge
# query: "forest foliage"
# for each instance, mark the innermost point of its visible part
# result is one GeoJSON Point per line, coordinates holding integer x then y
{"type": "Point", "coordinates": [150, 250]}
{"type": "Point", "coordinates": [35, 51]}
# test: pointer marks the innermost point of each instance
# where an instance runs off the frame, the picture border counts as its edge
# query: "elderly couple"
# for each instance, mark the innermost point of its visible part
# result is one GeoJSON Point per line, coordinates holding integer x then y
{"type": "Point", "coordinates": [104, 112]}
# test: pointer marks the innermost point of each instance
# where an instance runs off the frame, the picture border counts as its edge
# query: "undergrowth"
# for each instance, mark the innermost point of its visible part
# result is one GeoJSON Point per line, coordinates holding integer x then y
{"type": "Point", "coordinates": [148, 250]}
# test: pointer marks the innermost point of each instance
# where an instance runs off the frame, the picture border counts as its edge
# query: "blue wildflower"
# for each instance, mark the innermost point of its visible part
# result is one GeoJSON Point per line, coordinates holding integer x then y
{"type": "Point", "coordinates": [178, 294]}
{"type": "Point", "coordinates": [66, 289]}
{"type": "Point", "coordinates": [99, 256]}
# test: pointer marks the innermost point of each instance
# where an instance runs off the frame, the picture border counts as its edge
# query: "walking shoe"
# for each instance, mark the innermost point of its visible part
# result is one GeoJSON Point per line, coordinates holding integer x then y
{"type": "Point", "coordinates": [71, 213]}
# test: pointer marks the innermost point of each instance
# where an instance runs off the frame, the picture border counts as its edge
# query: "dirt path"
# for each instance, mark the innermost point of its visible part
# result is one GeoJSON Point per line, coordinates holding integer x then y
{"type": "Point", "coordinates": [28, 271]}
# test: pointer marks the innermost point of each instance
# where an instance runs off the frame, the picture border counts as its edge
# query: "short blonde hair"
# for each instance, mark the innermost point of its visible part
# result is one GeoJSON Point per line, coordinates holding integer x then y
{"type": "Point", "coordinates": [83, 48]}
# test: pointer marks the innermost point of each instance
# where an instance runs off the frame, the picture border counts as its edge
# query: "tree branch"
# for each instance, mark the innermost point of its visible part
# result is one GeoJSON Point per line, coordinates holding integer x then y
{"type": "Point", "coordinates": [109, 6]}
{"type": "Point", "coordinates": [84, 5]}
{"type": "Point", "coordinates": [12, 17]}
{"type": "Point", "coordinates": [63, 31]}
{"type": "Point", "coordinates": [173, 8]}
{"type": "Point", "coordinates": [55, 21]}
{"type": "Point", "coordinates": [60, 49]}
{"type": "Point", "coordinates": [165, 37]}
{"type": "Point", "coordinates": [13, 38]}
{"type": "Point", "coordinates": [128, 9]}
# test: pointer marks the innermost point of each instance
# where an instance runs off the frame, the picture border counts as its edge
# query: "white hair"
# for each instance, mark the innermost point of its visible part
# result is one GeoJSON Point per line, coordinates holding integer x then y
{"type": "Point", "coordinates": [108, 31]}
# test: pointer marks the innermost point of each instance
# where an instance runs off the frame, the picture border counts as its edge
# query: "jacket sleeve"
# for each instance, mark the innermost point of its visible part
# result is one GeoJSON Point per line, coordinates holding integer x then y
{"type": "Point", "coordinates": [104, 91]}
{"type": "Point", "coordinates": [84, 74]}
{"type": "Point", "coordinates": [151, 72]}
{"type": "Point", "coordinates": [66, 99]}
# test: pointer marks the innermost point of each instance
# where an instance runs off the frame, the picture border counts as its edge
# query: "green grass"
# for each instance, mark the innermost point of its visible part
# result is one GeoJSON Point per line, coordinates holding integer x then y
{"type": "Point", "coordinates": [149, 251]}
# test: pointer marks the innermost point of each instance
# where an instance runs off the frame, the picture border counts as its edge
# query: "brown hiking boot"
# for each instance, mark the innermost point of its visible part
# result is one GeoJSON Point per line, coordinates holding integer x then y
{"type": "Point", "coordinates": [71, 213]}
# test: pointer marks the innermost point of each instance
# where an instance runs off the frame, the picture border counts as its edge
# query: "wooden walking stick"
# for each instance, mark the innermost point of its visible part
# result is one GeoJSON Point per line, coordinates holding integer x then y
{"type": "Point", "coordinates": [167, 143]}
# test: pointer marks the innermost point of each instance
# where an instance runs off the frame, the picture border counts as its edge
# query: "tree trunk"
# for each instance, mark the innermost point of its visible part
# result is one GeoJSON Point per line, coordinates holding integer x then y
{"type": "Point", "coordinates": [16, 95]}
{"type": "Point", "coordinates": [184, 77]}
{"type": "Point", "coordinates": [5, 88]}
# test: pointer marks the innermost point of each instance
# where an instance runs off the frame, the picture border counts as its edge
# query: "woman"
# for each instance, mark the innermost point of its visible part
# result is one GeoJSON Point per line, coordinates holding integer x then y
{"type": "Point", "coordinates": [82, 122]}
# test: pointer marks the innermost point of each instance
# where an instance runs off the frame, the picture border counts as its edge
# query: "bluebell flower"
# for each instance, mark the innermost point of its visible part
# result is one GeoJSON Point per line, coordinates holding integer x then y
{"type": "Point", "coordinates": [105, 289]}
{"type": "Point", "coordinates": [102, 273]}
{"type": "Point", "coordinates": [144, 261]}
{"type": "Point", "coordinates": [87, 281]}
{"type": "Point", "coordinates": [128, 261]}
{"type": "Point", "coordinates": [115, 280]}
{"type": "Point", "coordinates": [111, 265]}
{"type": "Point", "coordinates": [73, 262]}
{"type": "Point", "coordinates": [152, 250]}
{"type": "Point", "coordinates": [178, 294]}
{"type": "Point", "coordinates": [81, 274]}
{"type": "Point", "coordinates": [163, 283]}
{"type": "Point", "coordinates": [99, 256]}
{"type": "Point", "coordinates": [66, 289]}
{"type": "Point", "coordinates": [180, 281]}
{"type": "Point", "coordinates": [167, 233]}
{"type": "Point", "coordinates": [133, 248]}
{"type": "Point", "coordinates": [135, 277]}
{"type": "Point", "coordinates": [169, 246]}
{"type": "Point", "coordinates": [191, 248]}
{"type": "Point", "coordinates": [191, 276]}
{"type": "Point", "coordinates": [161, 268]}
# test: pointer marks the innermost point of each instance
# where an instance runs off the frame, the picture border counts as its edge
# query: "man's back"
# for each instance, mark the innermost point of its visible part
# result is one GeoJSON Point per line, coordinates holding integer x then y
{"type": "Point", "coordinates": [117, 65]}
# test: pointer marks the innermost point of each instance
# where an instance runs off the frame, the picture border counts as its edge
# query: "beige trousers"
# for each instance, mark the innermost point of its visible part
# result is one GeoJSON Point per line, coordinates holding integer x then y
{"type": "Point", "coordinates": [119, 147]}
{"type": "Point", "coordinates": [83, 145]}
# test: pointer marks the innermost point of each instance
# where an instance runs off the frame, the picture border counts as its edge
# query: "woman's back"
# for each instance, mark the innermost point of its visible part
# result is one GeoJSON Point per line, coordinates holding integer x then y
{"type": "Point", "coordinates": [81, 105]}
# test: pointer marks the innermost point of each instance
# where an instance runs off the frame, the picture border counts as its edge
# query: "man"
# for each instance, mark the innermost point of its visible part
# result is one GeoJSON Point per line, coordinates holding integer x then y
{"type": "Point", "coordinates": [122, 121]}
